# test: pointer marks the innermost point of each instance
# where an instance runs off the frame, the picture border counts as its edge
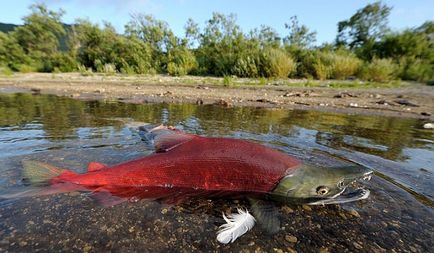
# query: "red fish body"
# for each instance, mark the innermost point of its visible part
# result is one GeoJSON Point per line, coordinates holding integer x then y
{"type": "Point", "coordinates": [189, 164]}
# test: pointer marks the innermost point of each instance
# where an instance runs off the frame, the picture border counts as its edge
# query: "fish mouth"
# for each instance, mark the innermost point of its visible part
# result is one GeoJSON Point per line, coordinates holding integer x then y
{"type": "Point", "coordinates": [348, 193]}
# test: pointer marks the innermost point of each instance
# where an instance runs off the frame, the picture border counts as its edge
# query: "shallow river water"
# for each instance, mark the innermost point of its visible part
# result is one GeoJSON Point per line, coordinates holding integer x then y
{"type": "Point", "coordinates": [68, 133]}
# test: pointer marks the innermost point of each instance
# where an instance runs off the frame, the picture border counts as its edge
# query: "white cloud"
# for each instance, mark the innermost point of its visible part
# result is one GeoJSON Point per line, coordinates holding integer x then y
{"type": "Point", "coordinates": [118, 6]}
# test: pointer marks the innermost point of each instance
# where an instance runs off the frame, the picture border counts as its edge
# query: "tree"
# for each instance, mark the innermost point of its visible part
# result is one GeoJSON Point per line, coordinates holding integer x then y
{"type": "Point", "coordinates": [299, 35]}
{"type": "Point", "coordinates": [221, 44]}
{"type": "Point", "coordinates": [192, 34]}
{"type": "Point", "coordinates": [412, 49]}
{"type": "Point", "coordinates": [155, 33]}
{"type": "Point", "coordinates": [92, 43]}
{"type": "Point", "coordinates": [39, 36]}
{"type": "Point", "coordinates": [265, 36]}
{"type": "Point", "coordinates": [364, 28]}
{"type": "Point", "coordinates": [11, 54]}
{"type": "Point", "coordinates": [151, 30]}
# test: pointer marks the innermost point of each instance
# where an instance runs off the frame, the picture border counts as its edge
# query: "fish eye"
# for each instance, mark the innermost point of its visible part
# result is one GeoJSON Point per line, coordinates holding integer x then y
{"type": "Point", "coordinates": [322, 190]}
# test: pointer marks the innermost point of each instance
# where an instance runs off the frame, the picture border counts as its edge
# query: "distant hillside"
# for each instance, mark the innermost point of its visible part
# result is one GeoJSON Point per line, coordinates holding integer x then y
{"type": "Point", "coordinates": [63, 46]}
{"type": "Point", "coordinates": [4, 27]}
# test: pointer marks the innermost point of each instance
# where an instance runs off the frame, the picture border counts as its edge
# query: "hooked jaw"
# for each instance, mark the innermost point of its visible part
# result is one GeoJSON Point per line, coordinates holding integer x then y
{"type": "Point", "coordinates": [316, 185]}
{"type": "Point", "coordinates": [347, 195]}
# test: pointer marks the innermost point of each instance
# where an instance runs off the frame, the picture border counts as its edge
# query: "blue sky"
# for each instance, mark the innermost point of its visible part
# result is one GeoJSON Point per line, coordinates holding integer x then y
{"type": "Point", "coordinates": [321, 16]}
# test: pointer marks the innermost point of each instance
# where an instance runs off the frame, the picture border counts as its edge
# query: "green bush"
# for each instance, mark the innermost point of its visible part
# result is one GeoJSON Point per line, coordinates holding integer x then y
{"type": "Point", "coordinates": [416, 69]}
{"type": "Point", "coordinates": [322, 70]}
{"type": "Point", "coordinates": [24, 68]}
{"type": "Point", "coordinates": [345, 66]}
{"type": "Point", "coordinates": [181, 62]}
{"type": "Point", "coordinates": [6, 71]}
{"type": "Point", "coordinates": [85, 71]}
{"type": "Point", "coordinates": [12, 54]}
{"type": "Point", "coordinates": [246, 67]}
{"type": "Point", "coordinates": [228, 81]}
{"type": "Point", "coordinates": [131, 56]}
{"type": "Point", "coordinates": [109, 68]}
{"type": "Point", "coordinates": [60, 62]}
{"type": "Point", "coordinates": [335, 65]}
{"type": "Point", "coordinates": [324, 65]}
{"type": "Point", "coordinates": [379, 70]}
{"type": "Point", "coordinates": [276, 63]}
{"type": "Point", "coordinates": [306, 60]}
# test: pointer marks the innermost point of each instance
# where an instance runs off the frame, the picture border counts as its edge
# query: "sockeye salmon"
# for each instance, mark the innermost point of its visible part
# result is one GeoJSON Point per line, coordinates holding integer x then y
{"type": "Point", "coordinates": [187, 166]}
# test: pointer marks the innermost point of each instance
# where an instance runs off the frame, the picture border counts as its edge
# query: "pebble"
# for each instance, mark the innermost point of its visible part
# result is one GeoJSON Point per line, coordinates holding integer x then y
{"type": "Point", "coordinates": [22, 243]}
{"type": "Point", "coordinates": [291, 238]}
{"type": "Point", "coordinates": [291, 250]}
{"type": "Point", "coordinates": [87, 248]}
{"type": "Point", "coordinates": [307, 208]}
{"type": "Point", "coordinates": [323, 250]}
{"type": "Point", "coordinates": [278, 250]}
{"type": "Point", "coordinates": [428, 126]}
{"type": "Point", "coordinates": [47, 222]}
{"type": "Point", "coordinates": [287, 209]}
{"type": "Point", "coordinates": [354, 213]}
{"type": "Point", "coordinates": [164, 211]}
{"type": "Point", "coordinates": [357, 246]}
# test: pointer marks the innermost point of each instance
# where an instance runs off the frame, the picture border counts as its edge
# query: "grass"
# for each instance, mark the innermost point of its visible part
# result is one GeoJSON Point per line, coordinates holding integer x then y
{"type": "Point", "coordinates": [231, 81]}
{"type": "Point", "coordinates": [5, 71]}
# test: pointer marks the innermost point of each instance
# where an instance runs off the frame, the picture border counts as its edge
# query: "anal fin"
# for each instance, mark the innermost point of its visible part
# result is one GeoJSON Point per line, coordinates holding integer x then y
{"type": "Point", "coordinates": [106, 199]}
{"type": "Point", "coordinates": [94, 166]}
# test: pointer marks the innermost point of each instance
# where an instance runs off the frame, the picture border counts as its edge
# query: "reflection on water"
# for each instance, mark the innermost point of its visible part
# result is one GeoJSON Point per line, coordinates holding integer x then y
{"type": "Point", "coordinates": [399, 149]}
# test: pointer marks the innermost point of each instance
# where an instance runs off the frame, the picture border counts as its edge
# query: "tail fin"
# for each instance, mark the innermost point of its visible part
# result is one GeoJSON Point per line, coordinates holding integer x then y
{"type": "Point", "coordinates": [38, 173]}
{"type": "Point", "coordinates": [39, 176]}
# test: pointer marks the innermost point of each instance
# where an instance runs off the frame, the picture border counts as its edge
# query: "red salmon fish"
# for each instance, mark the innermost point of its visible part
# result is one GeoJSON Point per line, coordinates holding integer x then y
{"type": "Point", "coordinates": [184, 165]}
{"type": "Point", "coordinates": [187, 165]}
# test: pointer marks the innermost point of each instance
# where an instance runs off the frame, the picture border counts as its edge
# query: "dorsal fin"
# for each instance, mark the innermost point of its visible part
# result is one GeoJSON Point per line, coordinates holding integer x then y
{"type": "Point", "coordinates": [94, 166]}
{"type": "Point", "coordinates": [165, 138]}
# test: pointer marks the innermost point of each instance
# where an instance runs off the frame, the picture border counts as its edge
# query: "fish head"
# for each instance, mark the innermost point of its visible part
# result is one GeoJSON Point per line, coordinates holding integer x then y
{"type": "Point", "coordinates": [317, 185]}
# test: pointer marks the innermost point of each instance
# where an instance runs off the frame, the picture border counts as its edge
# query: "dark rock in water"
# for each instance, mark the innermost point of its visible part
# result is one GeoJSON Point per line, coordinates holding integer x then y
{"type": "Point", "coordinates": [224, 103]}
{"type": "Point", "coordinates": [425, 114]}
{"type": "Point", "coordinates": [345, 94]}
{"type": "Point", "coordinates": [382, 102]}
{"type": "Point", "coordinates": [202, 87]}
{"type": "Point", "coordinates": [405, 102]}
{"type": "Point", "coordinates": [199, 101]}
{"type": "Point", "coordinates": [35, 91]}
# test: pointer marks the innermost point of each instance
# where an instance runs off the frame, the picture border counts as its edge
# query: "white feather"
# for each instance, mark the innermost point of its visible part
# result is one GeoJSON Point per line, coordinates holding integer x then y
{"type": "Point", "coordinates": [237, 224]}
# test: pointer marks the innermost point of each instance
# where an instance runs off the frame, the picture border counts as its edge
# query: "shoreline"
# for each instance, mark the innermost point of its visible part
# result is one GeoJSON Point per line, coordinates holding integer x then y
{"type": "Point", "coordinates": [410, 101]}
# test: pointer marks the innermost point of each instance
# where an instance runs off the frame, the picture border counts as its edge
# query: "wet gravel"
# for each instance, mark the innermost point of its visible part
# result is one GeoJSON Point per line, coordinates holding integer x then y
{"type": "Point", "coordinates": [389, 221]}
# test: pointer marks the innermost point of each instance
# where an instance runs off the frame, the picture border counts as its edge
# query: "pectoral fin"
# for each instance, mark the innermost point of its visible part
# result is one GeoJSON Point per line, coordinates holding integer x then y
{"type": "Point", "coordinates": [266, 214]}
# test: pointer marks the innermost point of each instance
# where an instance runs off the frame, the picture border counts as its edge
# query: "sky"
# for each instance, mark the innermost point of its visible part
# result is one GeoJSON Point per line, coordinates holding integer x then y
{"type": "Point", "coordinates": [321, 16]}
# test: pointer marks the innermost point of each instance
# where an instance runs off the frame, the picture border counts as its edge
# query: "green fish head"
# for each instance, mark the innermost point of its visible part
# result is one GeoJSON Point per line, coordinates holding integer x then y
{"type": "Point", "coordinates": [317, 185]}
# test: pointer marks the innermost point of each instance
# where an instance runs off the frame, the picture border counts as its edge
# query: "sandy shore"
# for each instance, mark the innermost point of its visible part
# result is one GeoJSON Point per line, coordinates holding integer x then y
{"type": "Point", "coordinates": [411, 100]}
